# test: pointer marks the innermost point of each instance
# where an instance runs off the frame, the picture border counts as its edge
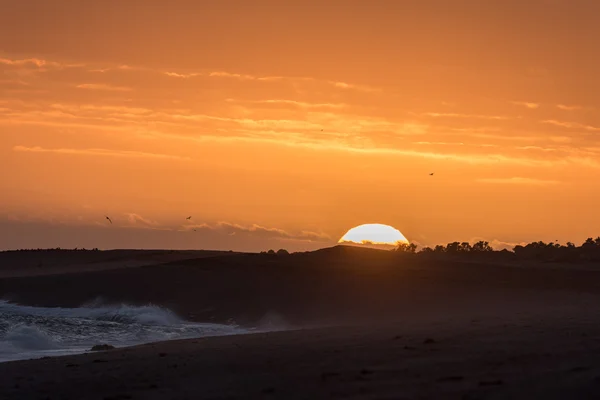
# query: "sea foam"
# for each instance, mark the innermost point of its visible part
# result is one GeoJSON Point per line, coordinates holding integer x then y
{"type": "Point", "coordinates": [33, 332]}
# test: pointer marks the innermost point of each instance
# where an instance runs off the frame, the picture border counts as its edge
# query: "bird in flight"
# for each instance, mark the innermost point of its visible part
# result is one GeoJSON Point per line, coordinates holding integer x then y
{"type": "Point", "coordinates": [431, 173]}
{"type": "Point", "coordinates": [109, 220]}
{"type": "Point", "coordinates": [188, 218]}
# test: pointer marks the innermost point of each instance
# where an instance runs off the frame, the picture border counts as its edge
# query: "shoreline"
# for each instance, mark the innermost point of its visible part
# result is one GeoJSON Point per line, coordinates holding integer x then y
{"type": "Point", "coordinates": [46, 354]}
{"type": "Point", "coordinates": [429, 359]}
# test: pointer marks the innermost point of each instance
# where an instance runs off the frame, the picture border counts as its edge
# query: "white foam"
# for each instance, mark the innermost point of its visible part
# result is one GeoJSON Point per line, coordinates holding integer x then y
{"type": "Point", "coordinates": [30, 332]}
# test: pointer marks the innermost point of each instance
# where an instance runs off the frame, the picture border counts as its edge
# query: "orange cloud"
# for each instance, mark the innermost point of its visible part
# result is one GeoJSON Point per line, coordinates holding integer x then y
{"type": "Point", "coordinates": [249, 77]}
{"type": "Point", "coordinates": [28, 61]}
{"type": "Point", "coordinates": [231, 229]}
{"type": "Point", "coordinates": [300, 104]}
{"type": "Point", "coordinates": [519, 181]}
{"type": "Point", "coordinates": [570, 125]}
{"type": "Point", "coordinates": [458, 115]}
{"type": "Point", "coordinates": [526, 104]}
{"type": "Point", "coordinates": [568, 108]}
{"type": "Point", "coordinates": [363, 88]}
{"type": "Point", "coordinates": [136, 220]}
{"type": "Point", "coordinates": [102, 86]}
{"type": "Point", "coordinates": [185, 76]}
{"type": "Point", "coordinates": [98, 152]}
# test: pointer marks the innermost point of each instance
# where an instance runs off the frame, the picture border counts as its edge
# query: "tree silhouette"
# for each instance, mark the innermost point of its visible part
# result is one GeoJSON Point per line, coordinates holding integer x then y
{"type": "Point", "coordinates": [439, 249]}
{"type": "Point", "coordinates": [482, 246]}
{"type": "Point", "coordinates": [453, 248]}
{"type": "Point", "coordinates": [406, 248]}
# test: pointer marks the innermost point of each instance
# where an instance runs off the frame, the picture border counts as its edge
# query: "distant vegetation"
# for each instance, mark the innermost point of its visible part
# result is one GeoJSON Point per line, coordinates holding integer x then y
{"type": "Point", "coordinates": [55, 249]}
{"type": "Point", "coordinates": [538, 251]}
{"type": "Point", "coordinates": [588, 251]}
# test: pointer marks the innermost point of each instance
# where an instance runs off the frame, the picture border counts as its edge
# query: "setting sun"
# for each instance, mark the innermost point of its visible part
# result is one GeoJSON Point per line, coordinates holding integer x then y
{"type": "Point", "coordinates": [378, 234]}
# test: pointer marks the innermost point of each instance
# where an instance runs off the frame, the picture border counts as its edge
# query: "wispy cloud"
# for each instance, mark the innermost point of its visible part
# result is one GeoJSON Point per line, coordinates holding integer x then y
{"type": "Point", "coordinates": [28, 61]}
{"type": "Point", "coordinates": [38, 63]}
{"type": "Point", "coordinates": [526, 104]}
{"type": "Point", "coordinates": [103, 86]}
{"type": "Point", "coordinates": [98, 152]}
{"type": "Point", "coordinates": [294, 103]}
{"type": "Point", "coordinates": [137, 220]}
{"type": "Point", "coordinates": [441, 143]}
{"type": "Point", "coordinates": [459, 115]}
{"type": "Point", "coordinates": [117, 68]}
{"type": "Point", "coordinates": [231, 229]}
{"type": "Point", "coordinates": [483, 159]}
{"type": "Point", "coordinates": [224, 74]}
{"type": "Point", "coordinates": [519, 181]}
{"type": "Point", "coordinates": [350, 86]}
{"type": "Point", "coordinates": [271, 78]}
{"type": "Point", "coordinates": [570, 125]}
{"type": "Point", "coordinates": [184, 76]}
{"type": "Point", "coordinates": [568, 108]}
{"type": "Point", "coordinates": [537, 148]}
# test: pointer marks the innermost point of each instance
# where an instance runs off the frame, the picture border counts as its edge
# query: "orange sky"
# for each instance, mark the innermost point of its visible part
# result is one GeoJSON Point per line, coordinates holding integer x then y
{"type": "Point", "coordinates": [285, 123]}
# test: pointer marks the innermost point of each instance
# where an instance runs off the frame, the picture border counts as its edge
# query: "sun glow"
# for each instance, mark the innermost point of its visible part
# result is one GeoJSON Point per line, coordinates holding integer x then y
{"type": "Point", "coordinates": [378, 234]}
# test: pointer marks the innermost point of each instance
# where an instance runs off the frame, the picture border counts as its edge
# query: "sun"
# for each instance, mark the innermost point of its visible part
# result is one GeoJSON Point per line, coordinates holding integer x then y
{"type": "Point", "coordinates": [373, 234]}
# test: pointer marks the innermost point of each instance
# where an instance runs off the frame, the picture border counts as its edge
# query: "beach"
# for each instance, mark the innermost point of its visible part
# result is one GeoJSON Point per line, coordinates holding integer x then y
{"type": "Point", "coordinates": [518, 358]}
{"type": "Point", "coordinates": [337, 323]}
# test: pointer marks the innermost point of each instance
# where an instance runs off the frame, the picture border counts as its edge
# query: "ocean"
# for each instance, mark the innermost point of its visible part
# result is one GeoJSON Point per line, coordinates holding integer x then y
{"type": "Point", "coordinates": [34, 332]}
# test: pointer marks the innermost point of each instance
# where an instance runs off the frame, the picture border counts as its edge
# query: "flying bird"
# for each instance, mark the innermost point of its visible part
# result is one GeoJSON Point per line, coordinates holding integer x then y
{"type": "Point", "coordinates": [109, 220]}
{"type": "Point", "coordinates": [188, 218]}
{"type": "Point", "coordinates": [431, 173]}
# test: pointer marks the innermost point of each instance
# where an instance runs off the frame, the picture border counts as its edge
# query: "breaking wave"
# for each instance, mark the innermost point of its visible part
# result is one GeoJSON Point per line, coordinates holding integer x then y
{"type": "Point", "coordinates": [33, 332]}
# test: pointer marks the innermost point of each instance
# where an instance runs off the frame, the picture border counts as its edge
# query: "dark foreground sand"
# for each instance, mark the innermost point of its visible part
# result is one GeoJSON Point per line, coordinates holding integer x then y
{"type": "Point", "coordinates": [520, 357]}
{"type": "Point", "coordinates": [497, 332]}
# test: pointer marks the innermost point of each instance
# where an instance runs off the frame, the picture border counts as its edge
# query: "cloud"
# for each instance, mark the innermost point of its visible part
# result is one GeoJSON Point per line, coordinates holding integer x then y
{"type": "Point", "coordinates": [102, 86]}
{"type": "Point", "coordinates": [39, 64]}
{"type": "Point", "coordinates": [230, 75]}
{"type": "Point", "coordinates": [350, 86]}
{"type": "Point", "coordinates": [137, 220]}
{"type": "Point", "coordinates": [117, 68]}
{"type": "Point", "coordinates": [570, 125]}
{"type": "Point", "coordinates": [568, 108]}
{"type": "Point", "coordinates": [269, 78]}
{"type": "Point", "coordinates": [300, 104]}
{"type": "Point", "coordinates": [538, 148]}
{"type": "Point", "coordinates": [458, 115]}
{"type": "Point", "coordinates": [519, 181]}
{"type": "Point", "coordinates": [441, 143]}
{"type": "Point", "coordinates": [255, 230]}
{"type": "Point", "coordinates": [184, 76]}
{"type": "Point", "coordinates": [223, 74]}
{"type": "Point", "coordinates": [99, 152]}
{"type": "Point", "coordinates": [526, 104]}
{"type": "Point", "coordinates": [28, 61]}
{"type": "Point", "coordinates": [42, 63]}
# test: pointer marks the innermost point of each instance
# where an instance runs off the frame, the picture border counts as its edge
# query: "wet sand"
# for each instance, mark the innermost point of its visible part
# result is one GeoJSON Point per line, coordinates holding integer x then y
{"type": "Point", "coordinates": [521, 357]}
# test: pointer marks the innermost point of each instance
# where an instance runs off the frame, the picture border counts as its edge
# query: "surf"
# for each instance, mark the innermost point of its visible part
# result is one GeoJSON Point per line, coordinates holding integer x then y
{"type": "Point", "coordinates": [33, 332]}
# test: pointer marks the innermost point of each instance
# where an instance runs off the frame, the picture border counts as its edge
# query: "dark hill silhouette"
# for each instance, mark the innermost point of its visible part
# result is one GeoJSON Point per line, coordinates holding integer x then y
{"type": "Point", "coordinates": [338, 284]}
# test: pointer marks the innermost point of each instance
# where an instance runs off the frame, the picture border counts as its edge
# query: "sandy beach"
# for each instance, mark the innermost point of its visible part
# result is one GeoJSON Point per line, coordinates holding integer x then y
{"type": "Point", "coordinates": [344, 323]}
{"type": "Point", "coordinates": [521, 357]}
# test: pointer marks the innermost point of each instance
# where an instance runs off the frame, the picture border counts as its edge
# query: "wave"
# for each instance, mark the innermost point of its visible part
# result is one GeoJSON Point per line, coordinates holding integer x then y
{"type": "Point", "coordinates": [29, 332]}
